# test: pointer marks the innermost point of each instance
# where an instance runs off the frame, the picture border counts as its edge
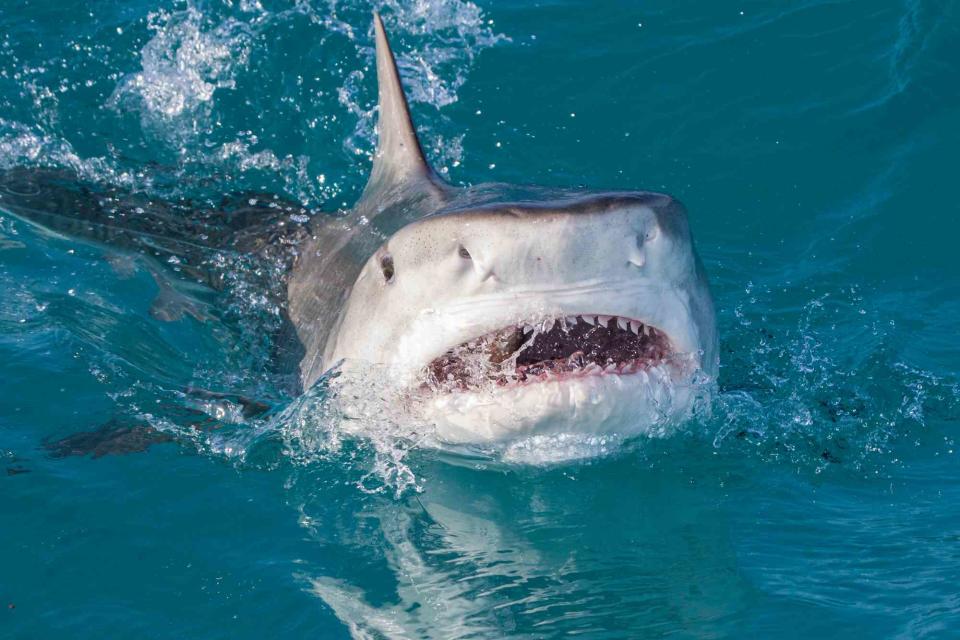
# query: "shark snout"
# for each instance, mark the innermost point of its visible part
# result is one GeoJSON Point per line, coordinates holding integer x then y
{"type": "Point", "coordinates": [591, 240]}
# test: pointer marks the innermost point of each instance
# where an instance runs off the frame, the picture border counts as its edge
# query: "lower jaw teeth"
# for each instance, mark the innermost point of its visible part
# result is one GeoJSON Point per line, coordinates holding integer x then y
{"type": "Point", "coordinates": [558, 370]}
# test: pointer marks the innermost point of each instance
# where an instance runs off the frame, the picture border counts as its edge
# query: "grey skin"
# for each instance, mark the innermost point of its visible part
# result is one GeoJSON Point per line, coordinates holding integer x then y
{"type": "Point", "coordinates": [419, 266]}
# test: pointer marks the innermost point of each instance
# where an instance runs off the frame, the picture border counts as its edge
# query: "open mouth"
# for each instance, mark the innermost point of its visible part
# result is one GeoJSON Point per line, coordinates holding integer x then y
{"type": "Point", "coordinates": [571, 346]}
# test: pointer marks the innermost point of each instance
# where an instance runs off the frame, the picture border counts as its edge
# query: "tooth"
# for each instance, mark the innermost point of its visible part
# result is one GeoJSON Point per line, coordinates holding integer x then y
{"type": "Point", "coordinates": [590, 368]}
{"type": "Point", "coordinates": [622, 323]}
{"type": "Point", "coordinates": [528, 328]}
{"type": "Point", "coordinates": [589, 319]}
{"type": "Point", "coordinates": [610, 368]}
{"type": "Point", "coordinates": [603, 320]}
{"type": "Point", "coordinates": [646, 330]}
{"type": "Point", "coordinates": [635, 327]}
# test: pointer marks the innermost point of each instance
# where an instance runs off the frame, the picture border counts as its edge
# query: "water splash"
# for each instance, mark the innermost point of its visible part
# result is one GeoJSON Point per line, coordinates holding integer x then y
{"type": "Point", "coordinates": [25, 145]}
{"type": "Point", "coordinates": [829, 392]}
{"type": "Point", "coordinates": [357, 413]}
{"type": "Point", "coordinates": [195, 56]}
{"type": "Point", "coordinates": [182, 66]}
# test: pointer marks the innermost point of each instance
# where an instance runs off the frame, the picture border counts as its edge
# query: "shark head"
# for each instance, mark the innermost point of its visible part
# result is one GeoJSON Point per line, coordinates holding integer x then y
{"type": "Point", "coordinates": [503, 311]}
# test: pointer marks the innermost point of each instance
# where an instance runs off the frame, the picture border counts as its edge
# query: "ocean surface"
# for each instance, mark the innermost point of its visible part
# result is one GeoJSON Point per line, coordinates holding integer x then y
{"type": "Point", "coordinates": [815, 144]}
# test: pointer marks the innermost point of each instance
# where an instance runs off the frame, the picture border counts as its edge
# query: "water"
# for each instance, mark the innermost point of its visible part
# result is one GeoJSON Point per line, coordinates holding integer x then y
{"type": "Point", "coordinates": [813, 143]}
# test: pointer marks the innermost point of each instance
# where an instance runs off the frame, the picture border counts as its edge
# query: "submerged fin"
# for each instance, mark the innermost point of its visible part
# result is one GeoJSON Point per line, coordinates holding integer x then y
{"type": "Point", "coordinates": [201, 411]}
{"type": "Point", "coordinates": [113, 438]}
{"type": "Point", "coordinates": [399, 159]}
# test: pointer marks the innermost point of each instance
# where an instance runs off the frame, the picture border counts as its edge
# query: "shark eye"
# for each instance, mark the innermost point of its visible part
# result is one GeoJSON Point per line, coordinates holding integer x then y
{"type": "Point", "coordinates": [462, 251]}
{"type": "Point", "coordinates": [386, 265]}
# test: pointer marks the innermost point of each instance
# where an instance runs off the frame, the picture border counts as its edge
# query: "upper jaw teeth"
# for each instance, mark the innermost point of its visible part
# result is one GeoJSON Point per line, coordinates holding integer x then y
{"type": "Point", "coordinates": [624, 324]}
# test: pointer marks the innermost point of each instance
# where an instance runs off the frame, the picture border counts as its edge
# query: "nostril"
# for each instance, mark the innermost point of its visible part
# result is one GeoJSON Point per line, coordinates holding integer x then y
{"type": "Point", "coordinates": [386, 266]}
{"type": "Point", "coordinates": [485, 271]}
{"type": "Point", "coordinates": [636, 255]}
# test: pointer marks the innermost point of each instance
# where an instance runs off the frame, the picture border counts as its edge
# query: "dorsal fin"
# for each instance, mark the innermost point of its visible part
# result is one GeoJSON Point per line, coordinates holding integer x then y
{"type": "Point", "coordinates": [399, 157]}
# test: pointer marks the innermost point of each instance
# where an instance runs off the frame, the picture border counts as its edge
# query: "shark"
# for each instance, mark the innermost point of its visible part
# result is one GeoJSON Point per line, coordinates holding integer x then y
{"type": "Point", "coordinates": [497, 310]}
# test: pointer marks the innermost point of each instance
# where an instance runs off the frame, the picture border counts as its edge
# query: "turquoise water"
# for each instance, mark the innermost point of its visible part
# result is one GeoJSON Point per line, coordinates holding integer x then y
{"type": "Point", "coordinates": [814, 144]}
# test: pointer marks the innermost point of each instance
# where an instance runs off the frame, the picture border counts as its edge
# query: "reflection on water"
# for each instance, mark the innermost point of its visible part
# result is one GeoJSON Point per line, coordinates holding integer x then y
{"type": "Point", "coordinates": [615, 546]}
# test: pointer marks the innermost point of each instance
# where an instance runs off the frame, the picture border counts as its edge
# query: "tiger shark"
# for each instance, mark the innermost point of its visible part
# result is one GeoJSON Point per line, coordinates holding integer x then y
{"type": "Point", "coordinates": [498, 310]}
